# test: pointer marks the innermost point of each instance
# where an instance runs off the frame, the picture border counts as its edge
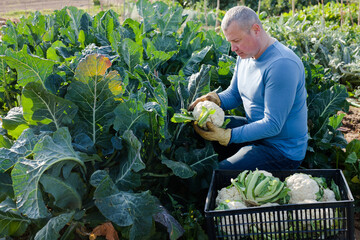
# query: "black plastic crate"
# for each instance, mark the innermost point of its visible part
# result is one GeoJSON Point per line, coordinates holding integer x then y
{"type": "Point", "coordinates": [323, 220]}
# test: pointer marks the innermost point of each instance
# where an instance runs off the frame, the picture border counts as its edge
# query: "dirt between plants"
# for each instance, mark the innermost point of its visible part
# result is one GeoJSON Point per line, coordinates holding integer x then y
{"type": "Point", "coordinates": [30, 5]}
{"type": "Point", "coordinates": [351, 124]}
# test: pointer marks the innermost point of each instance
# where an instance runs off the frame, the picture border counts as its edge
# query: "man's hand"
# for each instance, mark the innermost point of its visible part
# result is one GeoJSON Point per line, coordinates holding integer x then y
{"type": "Point", "coordinates": [211, 96]}
{"type": "Point", "coordinates": [214, 133]}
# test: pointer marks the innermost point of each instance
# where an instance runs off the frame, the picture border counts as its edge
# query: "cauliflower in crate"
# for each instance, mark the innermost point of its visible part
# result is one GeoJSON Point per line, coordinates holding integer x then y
{"type": "Point", "coordinates": [227, 193]}
{"type": "Point", "coordinates": [317, 218]}
{"type": "Point", "coordinates": [233, 223]}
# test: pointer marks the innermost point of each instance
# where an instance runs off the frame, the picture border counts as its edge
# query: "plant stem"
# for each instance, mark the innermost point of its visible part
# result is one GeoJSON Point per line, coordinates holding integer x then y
{"type": "Point", "coordinates": [68, 231]}
{"type": "Point", "coordinates": [164, 175]}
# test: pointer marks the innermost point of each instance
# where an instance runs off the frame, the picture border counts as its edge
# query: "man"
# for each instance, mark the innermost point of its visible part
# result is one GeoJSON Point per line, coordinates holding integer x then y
{"type": "Point", "coordinates": [269, 81]}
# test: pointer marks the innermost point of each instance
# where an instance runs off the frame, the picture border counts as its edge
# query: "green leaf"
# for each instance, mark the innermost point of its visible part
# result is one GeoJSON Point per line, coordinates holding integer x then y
{"type": "Point", "coordinates": [130, 209]}
{"type": "Point", "coordinates": [51, 52]}
{"type": "Point", "coordinates": [167, 44]}
{"type": "Point", "coordinates": [14, 122]}
{"type": "Point", "coordinates": [328, 102]}
{"type": "Point", "coordinates": [75, 19]}
{"type": "Point", "coordinates": [65, 194]}
{"type": "Point", "coordinates": [126, 177]}
{"type": "Point", "coordinates": [51, 230]}
{"type": "Point", "coordinates": [21, 148]}
{"type": "Point", "coordinates": [5, 142]}
{"type": "Point", "coordinates": [174, 228]}
{"type": "Point", "coordinates": [159, 95]}
{"type": "Point", "coordinates": [156, 57]}
{"type": "Point", "coordinates": [147, 12]}
{"type": "Point", "coordinates": [26, 173]}
{"type": "Point", "coordinates": [10, 35]}
{"type": "Point", "coordinates": [5, 186]}
{"type": "Point", "coordinates": [190, 32]}
{"type": "Point", "coordinates": [104, 185]}
{"type": "Point", "coordinates": [170, 22]}
{"type": "Point", "coordinates": [131, 53]}
{"type": "Point", "coordinates": [219, 43]}
{"type": "Point", "coordinates": [180, 169]}
{"type": "Point", "coordinates": [40, 106]}
{"type": "Point", "coordinates": [96, 95]}
{"type": "Point", "coordinates": [193, 64]}
{"type": "Point", "coordinates": [354, 146]}
{"type": "Point", "coordinates": [199, 83]}
{"type": "Point", "coordinates": [12, 224]}
{"type": "Point", "coordinates": [351, 158]}
{"type": "Point", "coordinates": [335, 121]}
{"type": "Point", "coordinates": [82, 38]}
{"type": "Point", "coordinates": [131, 115]}
{"type": "Point", "coordinates": [199, 160]}
{"type": "Point", "coordinates": [29, 68]}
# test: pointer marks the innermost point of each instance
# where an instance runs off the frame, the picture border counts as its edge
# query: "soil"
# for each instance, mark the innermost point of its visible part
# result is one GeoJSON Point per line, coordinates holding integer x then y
{"type": "Point", "coordinates": [351, 124]}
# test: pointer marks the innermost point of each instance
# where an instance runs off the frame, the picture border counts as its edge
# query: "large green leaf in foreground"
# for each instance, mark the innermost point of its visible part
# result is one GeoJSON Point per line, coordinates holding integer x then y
{"type": "Point", "coordinates": [96, 95]}
{"type": "Point", "coordinates": [26, 173]}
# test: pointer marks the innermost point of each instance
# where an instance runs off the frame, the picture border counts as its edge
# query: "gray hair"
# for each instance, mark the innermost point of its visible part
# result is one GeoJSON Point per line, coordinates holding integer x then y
{"type": "Point", "coordinates": [244, 16]}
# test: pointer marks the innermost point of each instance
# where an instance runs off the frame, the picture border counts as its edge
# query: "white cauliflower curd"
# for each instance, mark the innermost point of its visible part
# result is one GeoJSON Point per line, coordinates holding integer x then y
{"type": "Point", "coordinates": [302, 187]}
{"type": "Point", "coordinates": [216, 118]}
{"type": "Point", "coordinates": [329, 196]}
{"type": "Point", "coordinates": [227, 194]}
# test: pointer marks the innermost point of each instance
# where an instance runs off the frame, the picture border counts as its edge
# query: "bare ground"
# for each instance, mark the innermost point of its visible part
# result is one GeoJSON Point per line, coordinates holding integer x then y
{"type": "Point", "coordinates": [30, 5]}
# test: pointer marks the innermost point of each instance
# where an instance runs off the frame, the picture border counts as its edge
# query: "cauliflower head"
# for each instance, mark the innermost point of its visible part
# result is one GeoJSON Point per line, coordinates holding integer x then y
{"type": "Point", "coordinates": [329, 196]}
{"type": "Point", "coordinates": [217, 118]}
{"type": "Point", "coordinates": [302, 187]}
{"type": "Point", "coordinates": [225, 193]}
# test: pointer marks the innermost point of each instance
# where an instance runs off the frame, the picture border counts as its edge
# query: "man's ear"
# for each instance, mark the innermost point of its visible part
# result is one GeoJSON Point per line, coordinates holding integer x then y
{"type": "Point", "coordinates": [256, 28]}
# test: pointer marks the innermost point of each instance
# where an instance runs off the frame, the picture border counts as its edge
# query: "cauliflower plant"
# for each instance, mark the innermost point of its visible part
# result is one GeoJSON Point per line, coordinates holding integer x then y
{"type": "Point", "coordinates": [217, 118]}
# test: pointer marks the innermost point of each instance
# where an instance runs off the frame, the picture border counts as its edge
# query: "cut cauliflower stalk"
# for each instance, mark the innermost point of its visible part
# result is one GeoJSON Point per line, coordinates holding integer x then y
{"type": "Point", "coordinates": [217, 118]}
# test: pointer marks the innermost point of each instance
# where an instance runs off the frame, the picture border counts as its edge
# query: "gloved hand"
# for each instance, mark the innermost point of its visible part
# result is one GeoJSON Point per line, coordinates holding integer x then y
{"type": "Point", "coordinates": [211, 96]}
{"type": "Point", "coordinates": [214, 133]}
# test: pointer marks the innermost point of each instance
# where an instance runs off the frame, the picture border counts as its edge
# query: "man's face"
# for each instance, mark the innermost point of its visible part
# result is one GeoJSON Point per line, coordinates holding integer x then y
{"type": "Point", "coordinates": [243, 42]}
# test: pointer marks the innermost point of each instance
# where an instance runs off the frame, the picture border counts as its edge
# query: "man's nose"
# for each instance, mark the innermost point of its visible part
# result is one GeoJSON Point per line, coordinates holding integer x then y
{"type": "Point", "coordinates": [234, 47]}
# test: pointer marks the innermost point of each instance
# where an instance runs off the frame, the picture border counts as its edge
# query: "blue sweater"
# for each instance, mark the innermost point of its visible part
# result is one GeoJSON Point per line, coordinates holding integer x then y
{"type": "Point", "coordinates": [272, 91]}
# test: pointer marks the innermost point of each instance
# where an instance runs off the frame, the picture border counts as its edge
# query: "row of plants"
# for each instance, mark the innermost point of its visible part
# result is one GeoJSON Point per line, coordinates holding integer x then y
{"type": "Point", "coordinates": [86, 136]}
